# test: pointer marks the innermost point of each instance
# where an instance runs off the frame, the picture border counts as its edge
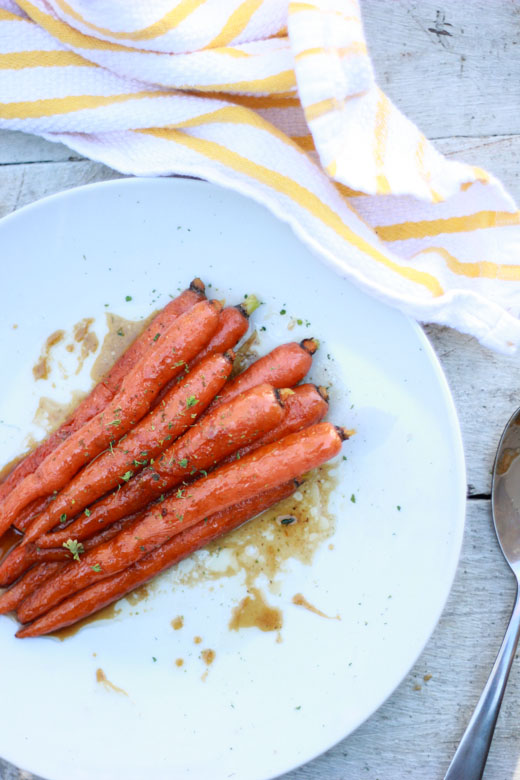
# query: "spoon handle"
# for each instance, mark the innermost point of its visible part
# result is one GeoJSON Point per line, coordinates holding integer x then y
{"type": "Point", "coordinates": [470, 757]}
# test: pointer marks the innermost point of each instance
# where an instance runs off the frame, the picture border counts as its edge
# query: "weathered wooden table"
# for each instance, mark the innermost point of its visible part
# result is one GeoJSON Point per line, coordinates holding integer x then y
{"type": "Point", "coordinates": [454, 68]}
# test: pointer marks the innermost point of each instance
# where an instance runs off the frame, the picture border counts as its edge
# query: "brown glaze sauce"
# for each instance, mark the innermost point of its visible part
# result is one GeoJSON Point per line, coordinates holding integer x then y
{"type": "Point", "coordinates": [107, 613]}
{"type": "Point", "coordinates": [177, 622]}
{"type": "Point", "coordinates": [88, 340]}
{"type": "Point", "coordinates": [263, 546]}
{"type": "Point", "coordinates": [253, 610]}
{"type": "Point", "coordinates": [179, 662]}
{"type": "Point", "coordinates": [208, 656]}
{"type": "Point", "coordinates": [102, 678]}
{"type": "Point", "coordinates": [121, 333]}
{"type": "Point", "coordinates": [300, 601]}
{"type": "Point", "coordinates": [41, 368]}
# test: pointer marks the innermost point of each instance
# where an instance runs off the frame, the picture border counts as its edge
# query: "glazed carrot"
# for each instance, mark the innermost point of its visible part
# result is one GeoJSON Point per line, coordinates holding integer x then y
{"type": "Point", "coordinates": [32, 579]}
{"type": "Point", "coordinates": [178, 410]}
{"type": "Point", "coordinates": [219, 433]}
{"type": "Point", "coordinates": [187, 335]}
{"type": "Point", "coordinates": [99, 595]}
{"type": "Point", "coordinates": [284, 366]}
{"type": "Point", "coordinates": [25, 555]}
{"type": "Point", "coordinates": [103, 392]}
{"type": "Point", "coordinates": [234, 322]}
{"type": "Point", "coordinates": [260, 470]}
{"type": "Point", "coordinates": [232, 325]}
{"type": "Point", "coordinates": [305, 405]}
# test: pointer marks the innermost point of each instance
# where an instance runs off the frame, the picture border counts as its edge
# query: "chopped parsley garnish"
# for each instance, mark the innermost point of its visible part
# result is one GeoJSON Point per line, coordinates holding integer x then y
{"type": "Point", "coordinates": [87, 512]}
{"type": "Point", "coordinates": [127, 475]}
{"type": "Point", "coordinates": [283, 311]}
{"type": "Point", "coordinates": [128, 298]}
{"type": "Point", "coordinates": [156, 336]}
{"type": "Point", "coordinates": [353, 498]}
{"type": "Point", "coordinates": [191, 401]}
{"type": "Point", "coordinates": [63, 518]}
{"type": "Point", "coordinates": [75, 548]}
{"type": "Point", "coordinates": [96, 568]}
{"type": "Point", "coordinates": [183, 463]}
{"type": "Point", "coordinates": [120, 332]}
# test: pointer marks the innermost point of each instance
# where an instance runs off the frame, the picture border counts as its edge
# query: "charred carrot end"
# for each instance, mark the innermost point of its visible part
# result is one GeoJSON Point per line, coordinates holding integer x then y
{"type": "Point", "coordinates": [248, 306]}
{"type": "Point", "coordinates": [198, 286]}
{"type": "Point", "coordinates": [230, 356]}
{"type": "Point", "coordinates": [323, 392]}
{"type": "Point", "coordinates": [217, 305]}
{"type": "Point", "coordinates": [310, 345]}
{"type": "Point", "coordinates": [344, 433]}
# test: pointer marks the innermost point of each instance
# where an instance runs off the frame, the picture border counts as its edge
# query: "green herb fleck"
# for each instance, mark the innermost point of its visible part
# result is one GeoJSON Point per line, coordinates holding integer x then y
{"type": "Point", "coordinates": [96, 568]}
{"type": "Point", "coordinates": [63, 518]}
{"type": "Point", "coordinates": [74, 547]}
{"type": "Point", "coordinates": [398, 508]}
{"type": "Point", "coordinates": [183, 463]}
{"type": "Point", "coordinates": [156, 336]}
{"type": "Point", "coordinates": [127, 475]}
{"type": "Point", "coordinates": [87, 512]}
{"type": "Point", "coordinates": [154, 659]}
{"type": "Point", "coordinates": [353, 498]}
{"type": "Point", "coordinates": [191, 401]}
{"type": "Point", "coordinates": [128, 298]}
{"type": "Point", "coordinates": [120, 332]}
{"type": "Point", "coordinates": [283, 311]}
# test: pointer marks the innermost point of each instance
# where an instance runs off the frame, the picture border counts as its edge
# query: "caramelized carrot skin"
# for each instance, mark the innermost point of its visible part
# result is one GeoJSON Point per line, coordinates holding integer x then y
{"type": "Point", "coordinates": [185, 402]}
{"type": "Point", "coordinates": [103, 392]}
{"type": "Point", "coordinates": [27, 584]}
{"type": "Point", "coordinates": [187, 335]}
{"type": "Point", "coordinates": [232, 326]}
{"type": "Point", "coordinates": [306, 406]}
{"type": "Point", "coordinates": [284, 366]}
{"type": "Point", "coordinates": [264, 469]}
{"type": "Point", "coordinates": [218, 434]}
{"type": "Point", "coordinates": [182, 545]}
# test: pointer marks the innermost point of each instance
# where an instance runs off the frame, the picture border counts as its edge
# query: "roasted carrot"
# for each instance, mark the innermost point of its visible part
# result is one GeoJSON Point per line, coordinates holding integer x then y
{"type": "Point", "coordinates": [32, 579]}
{"type": "Point", "coordinates": [219, 433]}
{"type": "Point", "coordinates": [284, 366]}
{"type": "Point", "coordinates": [24, 556]}
{"type": "Point", "coordinates": [305, 405]}
{"type": "Point", "coordinates": [260, 470]}
{"type": "Point", "coordinates": [185, 337]}
{"type": "Point", "coordinates": [103, 392]}
{"type": "Point", "coordinates": [232, 325]}
{"type": "Point", "coordinates": [99, 595]}
{"type": "Point", "coordinates": [234, 322]}
{"type": "Point", "coordinates": [184, 403]}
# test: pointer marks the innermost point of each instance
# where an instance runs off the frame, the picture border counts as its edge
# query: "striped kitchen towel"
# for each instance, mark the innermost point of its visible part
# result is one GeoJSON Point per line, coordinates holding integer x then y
{"type": "Point", "coordinates": [278, 101]}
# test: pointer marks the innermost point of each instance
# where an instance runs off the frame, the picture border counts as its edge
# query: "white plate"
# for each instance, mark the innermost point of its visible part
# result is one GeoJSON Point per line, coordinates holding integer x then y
{"type": "Point", "coordinates": [265, 707]}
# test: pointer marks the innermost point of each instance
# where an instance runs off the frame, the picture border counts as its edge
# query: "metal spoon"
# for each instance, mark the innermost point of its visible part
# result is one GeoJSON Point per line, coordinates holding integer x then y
{"type": "Point", "coordinates": [470, 758]}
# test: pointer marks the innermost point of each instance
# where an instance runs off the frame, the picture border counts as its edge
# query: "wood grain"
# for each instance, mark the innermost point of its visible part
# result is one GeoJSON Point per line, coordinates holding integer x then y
{"type": "Point", "coordinates": [454, 68]}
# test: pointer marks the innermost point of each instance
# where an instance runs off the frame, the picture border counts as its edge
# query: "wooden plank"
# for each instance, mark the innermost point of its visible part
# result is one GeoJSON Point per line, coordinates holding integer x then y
{"type": "Point", "coordinates": [452, 67]}
{"type": "Point", "coordinates": [22, 184]}
{"type": "Point", "coordinates": [18, 147]}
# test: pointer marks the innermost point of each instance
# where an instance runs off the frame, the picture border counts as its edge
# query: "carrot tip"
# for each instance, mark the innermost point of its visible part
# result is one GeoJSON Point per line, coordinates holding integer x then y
{"type": "Point", "coordinates": [229, 354]}
{"type": "Point", "coordinates": [323, 392]}
{"type": "Point", "coordinates": [310, 345]}
{"type": "Point", "coordinates": [344, 433]}
{"type": "Point", "coordinates": [249, 305]}
{"type": "Point", "coordinates": [197, 285]}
